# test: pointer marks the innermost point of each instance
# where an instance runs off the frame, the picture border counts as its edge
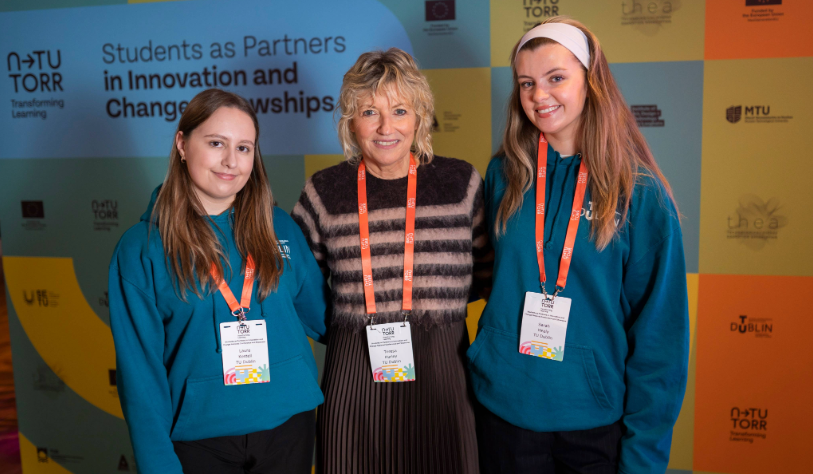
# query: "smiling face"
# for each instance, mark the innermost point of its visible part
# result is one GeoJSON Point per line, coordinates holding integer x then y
{"type": "Point", "coordinates": [219, 155]}
{"type": "Point", "coordinates": [384, 126]}
{"type": "Point", "coordinates": [552, 92]}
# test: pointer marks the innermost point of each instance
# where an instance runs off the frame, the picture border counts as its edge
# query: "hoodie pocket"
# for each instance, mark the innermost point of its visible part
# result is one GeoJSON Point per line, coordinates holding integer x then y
{"type": "Point", "coordinates": [536, 393]}
{"type": "Point", "coordinates": [210, 408]}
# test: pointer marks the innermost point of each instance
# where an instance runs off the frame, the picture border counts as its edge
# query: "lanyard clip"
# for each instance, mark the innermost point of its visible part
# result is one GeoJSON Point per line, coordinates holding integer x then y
{"type": "Point", "coordinates": [240, 314]}
{"type": "Point", "coordinates": [372, 321]}
{"type": "Point", "coordinates": [544, 291]}
{"type": "Point", "coordinates": [407, 314]}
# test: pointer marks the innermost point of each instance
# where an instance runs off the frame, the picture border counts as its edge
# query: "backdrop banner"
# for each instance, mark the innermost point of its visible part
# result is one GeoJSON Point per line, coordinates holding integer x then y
{"type": "Point", "coordinates": [92, 91]}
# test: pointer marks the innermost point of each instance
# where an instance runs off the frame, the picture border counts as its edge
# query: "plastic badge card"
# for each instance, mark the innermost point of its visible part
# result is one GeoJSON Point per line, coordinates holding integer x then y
{"type": "Point", "coordinates": [391, 357]}
{"type": "Point", "coordinates": [245, 352]}
{"type": "Point", "coordinates": [544, 326]}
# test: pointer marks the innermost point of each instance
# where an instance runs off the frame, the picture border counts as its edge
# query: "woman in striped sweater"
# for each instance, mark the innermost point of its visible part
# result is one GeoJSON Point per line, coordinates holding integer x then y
{"type": "Point", "coordinates": [358, 218]}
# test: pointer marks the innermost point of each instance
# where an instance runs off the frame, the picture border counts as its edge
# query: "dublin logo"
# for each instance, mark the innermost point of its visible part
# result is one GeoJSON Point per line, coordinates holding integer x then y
{"type": "Point", "coordinates": [760, 327]}
{"type": "Point", "coordinates": [734, 113]}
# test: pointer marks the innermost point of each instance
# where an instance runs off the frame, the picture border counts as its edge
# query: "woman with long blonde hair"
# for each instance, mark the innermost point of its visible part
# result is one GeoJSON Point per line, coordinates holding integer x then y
{"type": "Point", "coordinates": [580, 361]}
{"type": "Point", "coordinates": [210, 383]}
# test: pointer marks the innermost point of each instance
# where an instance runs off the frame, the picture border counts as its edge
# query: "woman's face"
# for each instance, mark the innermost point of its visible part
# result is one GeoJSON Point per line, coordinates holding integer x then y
{"type": "Point", "coordinates": [552, 89]}
{"type": "Point", "coordinates": [219, 155]}
{"type": "Point", "coordinates": [384, 127]}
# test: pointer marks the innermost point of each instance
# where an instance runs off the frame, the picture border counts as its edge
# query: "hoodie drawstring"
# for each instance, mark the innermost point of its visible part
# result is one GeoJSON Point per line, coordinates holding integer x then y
{"type": "Point", "coordinates": [214, 319]}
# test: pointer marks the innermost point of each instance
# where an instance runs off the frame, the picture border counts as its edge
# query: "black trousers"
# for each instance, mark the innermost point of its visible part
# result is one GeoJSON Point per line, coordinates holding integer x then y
{"type": "Point", "coordinates": [508, 449]}
{"type": "Point", "coordinates": [286, 449]}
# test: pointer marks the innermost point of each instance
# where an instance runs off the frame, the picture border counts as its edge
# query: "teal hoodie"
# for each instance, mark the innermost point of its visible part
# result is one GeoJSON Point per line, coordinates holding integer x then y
{"type": "Point", "coordinates": [627, 346]}
{"type": "Point", "coordinates": [168, 355]}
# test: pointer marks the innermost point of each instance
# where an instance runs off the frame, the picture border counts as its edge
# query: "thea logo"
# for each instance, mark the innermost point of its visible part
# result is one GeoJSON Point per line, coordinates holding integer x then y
{"type": "Point", "coordinates": [244, 329]}
{"type": "Point", "coordinates": [111, 375]}
{"type": "Point", "coordinates": [368, 280]}
{"type": "Point", "coordinates": [540, 246]}
{"type": "Point", "coordinates": [755, 222]}
{"type": "Point", "coordinates": [389, 331]}
{"type": "Point", "coordinates": [123, 464]}
{"type": "Point", "coordinates": [540, 208]}
{"type": "Point", "coordinates": [440, 10]}
{"type": "Point", "coordinates": [362, 174]}
{"type": "Point", "coordinates": [759, 327]}
{"type": "Point", "coordinates": [365, 243]}
{"type": "Point", "coordinates": [411, 203]}
{"type": "Point", "coordinates": [42, 454]}
{"type": "Point", "coordinates": [363, 208]}
{"type": "Point", "coordinates": [542, 171]}
{"type": "Point", "coordinates": [574, 215]}
{"type": "Point", "coordinates": [407, 275]}
{"type": "Point", "coordinates": [409, 238]}
{"type": "Point", "coordinates": [648, 16]}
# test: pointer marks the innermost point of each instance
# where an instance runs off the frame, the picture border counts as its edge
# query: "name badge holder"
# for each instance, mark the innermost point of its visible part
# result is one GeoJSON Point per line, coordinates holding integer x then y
{"type": "Point", "coordinates": [244, 343]}
{"type": "Point", "coordinates": [390, 345]}
{"type": "Point", "coordinates": [545, 317]}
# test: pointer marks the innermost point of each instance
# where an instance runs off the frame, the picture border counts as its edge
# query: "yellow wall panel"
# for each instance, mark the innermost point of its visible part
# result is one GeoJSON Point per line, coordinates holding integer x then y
{"type": "Point", "coordinates": [757, 164]}
{"type": "Point", "coordinates": [463, 114]}
{"type": "Point", "coordinates": [629, 30]}
{"type": "Point", "coordinates": [314, 163]}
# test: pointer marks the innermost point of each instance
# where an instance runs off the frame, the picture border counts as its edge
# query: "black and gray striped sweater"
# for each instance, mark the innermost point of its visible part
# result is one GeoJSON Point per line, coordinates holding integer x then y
{"type": "Point", "coordinates": [453, 259]}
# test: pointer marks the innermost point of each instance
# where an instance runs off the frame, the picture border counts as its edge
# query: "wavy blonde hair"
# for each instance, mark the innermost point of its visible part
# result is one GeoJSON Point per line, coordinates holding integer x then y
{"type": "Point", "coordinates": [394, 72]}
{"type": "Point", "coordinates": [190, 244]}
{"type": "Point", "coordinates": [615, 152]}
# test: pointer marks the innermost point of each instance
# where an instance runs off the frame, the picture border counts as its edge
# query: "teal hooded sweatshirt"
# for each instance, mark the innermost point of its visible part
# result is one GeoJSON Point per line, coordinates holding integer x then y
{"type": "Point", "coordinates": [627, 345]}
{"type": "Point", "coordinates": [168, 353]}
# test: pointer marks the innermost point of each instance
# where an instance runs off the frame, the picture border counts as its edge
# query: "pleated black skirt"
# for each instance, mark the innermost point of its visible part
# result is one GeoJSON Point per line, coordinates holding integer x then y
{"type": "Point", "coordinates": [426, 426]}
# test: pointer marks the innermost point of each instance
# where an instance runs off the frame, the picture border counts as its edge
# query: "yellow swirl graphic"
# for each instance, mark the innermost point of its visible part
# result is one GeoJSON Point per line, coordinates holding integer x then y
{"type": "Point", "coordinates": [63, 328]}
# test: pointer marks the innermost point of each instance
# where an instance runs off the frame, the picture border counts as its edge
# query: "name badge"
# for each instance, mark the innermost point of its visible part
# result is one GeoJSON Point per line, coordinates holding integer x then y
{"type": "Point", "coordinates": [544, 326]}
{"type": "Point", "coordinates": [245, 352]}
{"type": "Point", "coordinates": [391, 358]}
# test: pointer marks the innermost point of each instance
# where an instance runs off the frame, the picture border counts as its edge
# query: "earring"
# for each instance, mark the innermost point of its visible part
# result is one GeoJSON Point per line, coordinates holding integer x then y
{"type": "Point", "coordinates": [183, 160]}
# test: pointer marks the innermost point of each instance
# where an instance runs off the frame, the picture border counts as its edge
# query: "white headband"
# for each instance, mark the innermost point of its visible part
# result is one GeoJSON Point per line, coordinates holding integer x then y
{"type": "Point", "coordinates": [568, 36]}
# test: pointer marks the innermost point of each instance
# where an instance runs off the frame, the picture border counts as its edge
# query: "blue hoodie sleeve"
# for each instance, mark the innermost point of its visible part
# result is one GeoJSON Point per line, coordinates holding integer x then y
{"type": "Point", "coordinates": [657, 334]}
{"type": "Point", "coordinates": [138, 333]}
{"type": "Point", "coordinates": [312, 300]}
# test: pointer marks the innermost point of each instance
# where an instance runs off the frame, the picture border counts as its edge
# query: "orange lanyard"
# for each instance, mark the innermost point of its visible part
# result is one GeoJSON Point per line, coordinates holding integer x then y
{"type": "Point", "coordinates": [572, 226]}
{"type": "Point", "coordinates": [409, 236]}
{"type": "Point", "coordinates": [237, 309]}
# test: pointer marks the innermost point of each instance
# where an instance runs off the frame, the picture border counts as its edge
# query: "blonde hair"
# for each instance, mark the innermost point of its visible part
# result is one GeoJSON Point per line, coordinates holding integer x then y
{"type": "Point", "coordinates": [394, 72]}
{"type": "Point", "coordinates": [614, 150]}
{"type": "Point", "coordinates": [190, 244]}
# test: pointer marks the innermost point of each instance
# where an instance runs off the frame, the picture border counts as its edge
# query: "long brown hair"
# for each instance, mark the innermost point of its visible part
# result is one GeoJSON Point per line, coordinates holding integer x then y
{"type": "Point", "coordinates": [190, 243]}
{"type": "Point", "coordinates": [615, 152]}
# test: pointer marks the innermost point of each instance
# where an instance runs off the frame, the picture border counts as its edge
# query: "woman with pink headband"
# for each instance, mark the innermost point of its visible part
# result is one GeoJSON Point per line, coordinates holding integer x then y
{"type": "Point", "coordinates": [580, 361]}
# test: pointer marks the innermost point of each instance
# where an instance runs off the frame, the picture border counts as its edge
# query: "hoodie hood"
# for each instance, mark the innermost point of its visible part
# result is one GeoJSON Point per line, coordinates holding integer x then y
{"type": "Point", "coordinates": [148, 213]}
